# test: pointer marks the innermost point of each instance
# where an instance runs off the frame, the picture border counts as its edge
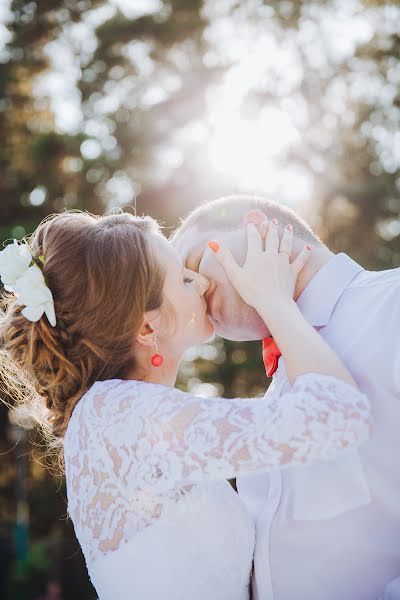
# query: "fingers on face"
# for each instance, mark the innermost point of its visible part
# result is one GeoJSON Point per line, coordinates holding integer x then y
{"type": "Point", "coordinates": [259, 219]}
{"type": "Point", "coordinates": [272, 239]}
{"type": "Point", "coordinates": [254, 239]}
{"type": "Point", "coordinates": [225, 258]}
{"type": "Point", "coordinates": [286, 240]}
{"type": "Point", "coordinates": [255, 216]}
{"type": "Point", "coordinates": [301, 259]}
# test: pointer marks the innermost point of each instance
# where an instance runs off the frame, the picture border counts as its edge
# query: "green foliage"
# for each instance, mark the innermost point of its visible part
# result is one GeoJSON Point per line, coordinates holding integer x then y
{"type": "Point", "coordinates": [27, 577]}
{"type": "Point", "coordinates": [52, 144]}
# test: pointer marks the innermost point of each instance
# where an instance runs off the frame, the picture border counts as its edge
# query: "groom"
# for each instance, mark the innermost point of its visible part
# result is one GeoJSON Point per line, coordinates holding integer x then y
{"type": "Point", "coordinates": [331, 530]}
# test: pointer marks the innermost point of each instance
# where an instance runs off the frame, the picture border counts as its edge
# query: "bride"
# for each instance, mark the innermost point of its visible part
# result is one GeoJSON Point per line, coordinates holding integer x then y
{"type": "Point", "coordinates": [100, 311]}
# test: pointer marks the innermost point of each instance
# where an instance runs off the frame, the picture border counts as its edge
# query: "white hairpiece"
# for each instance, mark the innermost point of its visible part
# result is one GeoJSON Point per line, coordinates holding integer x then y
{"type": "Point", "coordinates": [20, 275]}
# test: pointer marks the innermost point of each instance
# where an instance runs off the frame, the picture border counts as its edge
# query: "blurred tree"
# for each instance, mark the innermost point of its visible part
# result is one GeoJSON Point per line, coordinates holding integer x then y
{"type": "Point", "coordinates": [43, 168]}
{"type": "Point", "coordinates": [32, 153]}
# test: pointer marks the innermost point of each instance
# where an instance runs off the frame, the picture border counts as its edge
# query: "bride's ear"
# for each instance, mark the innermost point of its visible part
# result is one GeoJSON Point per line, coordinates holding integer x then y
{"type": "Point", "coordinates": [149, 328]}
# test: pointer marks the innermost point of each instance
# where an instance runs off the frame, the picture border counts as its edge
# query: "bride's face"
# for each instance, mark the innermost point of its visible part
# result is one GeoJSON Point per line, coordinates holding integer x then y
{"type": "Point", "coordinates": [232, 318]}
{"type": "Point", "coordinates": [185, 320]}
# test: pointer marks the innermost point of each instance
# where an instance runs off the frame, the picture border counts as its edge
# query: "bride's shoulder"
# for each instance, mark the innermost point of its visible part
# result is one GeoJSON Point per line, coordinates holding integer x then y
{"type": "Point", "coordinates": [133, 388]}
{"type": "Point", "coordinates": [114, 399]}
{"type": "Point", "coordinates": [117, 404]}
{"type": "Point", "coordinates": [119, 388]}
{"type": "Point", "coordinates": [113, 396]}
{"type": "Point", "coordinates": [103, 398]}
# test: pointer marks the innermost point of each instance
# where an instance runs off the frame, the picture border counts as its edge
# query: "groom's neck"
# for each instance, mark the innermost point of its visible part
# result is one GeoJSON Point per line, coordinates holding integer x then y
{"type": "Point", "coordinates": [320, 256]}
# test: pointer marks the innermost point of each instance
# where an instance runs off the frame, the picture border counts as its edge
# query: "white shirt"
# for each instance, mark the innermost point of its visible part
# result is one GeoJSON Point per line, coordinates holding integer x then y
{"type": "Point", "coordinates": [331, 531]}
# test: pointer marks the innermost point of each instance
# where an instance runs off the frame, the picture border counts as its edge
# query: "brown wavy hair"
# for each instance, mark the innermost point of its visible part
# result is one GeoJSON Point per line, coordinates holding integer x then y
{"type": "Point", "coordinates": [103, 276]}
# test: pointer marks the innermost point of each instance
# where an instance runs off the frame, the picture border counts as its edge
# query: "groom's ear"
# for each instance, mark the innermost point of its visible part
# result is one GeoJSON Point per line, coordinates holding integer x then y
{"type": "Point", "coordinates": [255, 216]}
{"type": "Point", "coordinates": [259, 219]}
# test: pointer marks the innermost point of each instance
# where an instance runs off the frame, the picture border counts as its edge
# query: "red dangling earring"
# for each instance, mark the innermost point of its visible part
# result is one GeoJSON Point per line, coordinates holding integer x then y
{"type": "Point", "coordinates": [156, 360]}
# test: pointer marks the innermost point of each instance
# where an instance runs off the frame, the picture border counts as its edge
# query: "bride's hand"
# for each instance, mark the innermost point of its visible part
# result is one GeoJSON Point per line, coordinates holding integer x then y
{"type": "Point", "coordinates": [267, 279]}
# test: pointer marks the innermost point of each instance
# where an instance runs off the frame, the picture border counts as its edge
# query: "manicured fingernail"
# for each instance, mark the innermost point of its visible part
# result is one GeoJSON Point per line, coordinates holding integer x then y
{"type": "Point", "coordinates": [214, 246]}
{"type": "Point", "coordinates": [308, 248]}
{"type": "Point", "coordinates": [289, 226]}
{"type": "Point", "coordinates": [275, 221]}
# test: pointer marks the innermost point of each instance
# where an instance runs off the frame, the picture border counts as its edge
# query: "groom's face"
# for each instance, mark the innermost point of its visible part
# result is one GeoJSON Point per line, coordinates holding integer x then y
{"type": "Point", "coordinates": [232, 318]}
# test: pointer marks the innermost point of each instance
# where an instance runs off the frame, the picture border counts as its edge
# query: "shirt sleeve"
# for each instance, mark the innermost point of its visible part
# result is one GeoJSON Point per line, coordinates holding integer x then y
{"type": "Point", "coordinates": [175, 437]}
{"type": "Point", "coordinates": [392, 590]}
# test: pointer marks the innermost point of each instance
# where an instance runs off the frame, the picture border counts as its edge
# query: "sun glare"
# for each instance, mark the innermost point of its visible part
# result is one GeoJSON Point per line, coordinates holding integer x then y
{"type": "Point", "coordinates": [246, 149]}
{"type": "Point", "coordinates": [249, 139]}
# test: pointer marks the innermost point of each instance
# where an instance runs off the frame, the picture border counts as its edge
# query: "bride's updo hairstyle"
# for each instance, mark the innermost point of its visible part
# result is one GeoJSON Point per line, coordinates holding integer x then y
{"type": "Point", "coordinates": [103, 276]}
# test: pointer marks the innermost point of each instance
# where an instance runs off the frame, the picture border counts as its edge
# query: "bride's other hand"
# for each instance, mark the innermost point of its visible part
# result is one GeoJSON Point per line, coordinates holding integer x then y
{"type": "Point", "coordinates": [267, 279]}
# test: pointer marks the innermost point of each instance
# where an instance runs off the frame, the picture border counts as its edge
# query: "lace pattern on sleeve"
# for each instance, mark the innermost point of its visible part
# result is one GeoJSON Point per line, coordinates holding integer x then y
{"type": "Point", "coordinates": [132, 448]}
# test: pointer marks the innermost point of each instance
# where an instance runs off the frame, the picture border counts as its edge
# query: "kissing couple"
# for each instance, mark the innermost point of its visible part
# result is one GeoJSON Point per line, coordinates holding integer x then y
{"type": "Point", "coordinates": [99, 311]}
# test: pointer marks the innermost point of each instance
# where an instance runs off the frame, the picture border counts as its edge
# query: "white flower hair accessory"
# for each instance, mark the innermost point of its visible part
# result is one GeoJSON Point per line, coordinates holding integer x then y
{"type": "Point", "coordinates": [20, 274]}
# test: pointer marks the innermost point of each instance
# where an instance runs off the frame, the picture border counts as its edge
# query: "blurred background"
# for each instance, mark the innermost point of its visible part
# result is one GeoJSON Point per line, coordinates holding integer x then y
{"type": "Point", "coordinates": [160, 106]}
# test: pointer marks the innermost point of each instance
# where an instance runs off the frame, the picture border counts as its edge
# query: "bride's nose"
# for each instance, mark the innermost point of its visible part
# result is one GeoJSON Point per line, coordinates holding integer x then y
{"type": "Point", "coordinates": [202, 283]}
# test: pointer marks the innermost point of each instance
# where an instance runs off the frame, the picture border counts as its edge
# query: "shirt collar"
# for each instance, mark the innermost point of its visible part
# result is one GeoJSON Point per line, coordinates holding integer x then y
{"type": "Point", "coordinates": [319, 298]}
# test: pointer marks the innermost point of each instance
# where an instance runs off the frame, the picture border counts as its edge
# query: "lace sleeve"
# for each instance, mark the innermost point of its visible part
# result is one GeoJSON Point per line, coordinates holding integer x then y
{"type": "Point", "coordinates": [174, 437]}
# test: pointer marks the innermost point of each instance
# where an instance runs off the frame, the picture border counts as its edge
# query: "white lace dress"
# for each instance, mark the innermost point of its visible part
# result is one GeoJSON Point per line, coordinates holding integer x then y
{"type": "Point", "coordinates": [146, 469]}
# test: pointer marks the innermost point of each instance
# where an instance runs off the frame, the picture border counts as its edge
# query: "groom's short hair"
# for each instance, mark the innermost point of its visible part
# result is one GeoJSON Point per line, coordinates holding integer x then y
{"type": "Point", "coordinates": [226, 214]}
